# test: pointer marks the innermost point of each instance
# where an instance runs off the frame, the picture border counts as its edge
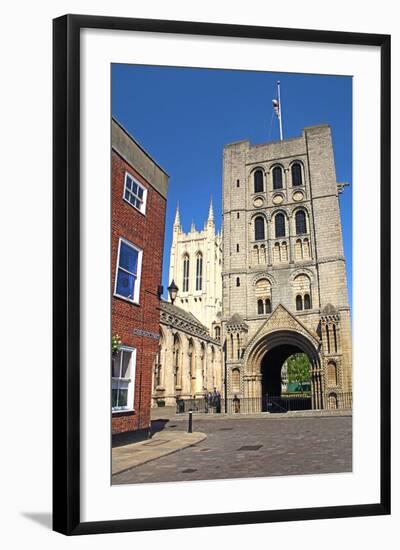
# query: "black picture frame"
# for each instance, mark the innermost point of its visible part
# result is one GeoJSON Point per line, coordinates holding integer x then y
{"type": "Point", "coordinates": [66, 273]}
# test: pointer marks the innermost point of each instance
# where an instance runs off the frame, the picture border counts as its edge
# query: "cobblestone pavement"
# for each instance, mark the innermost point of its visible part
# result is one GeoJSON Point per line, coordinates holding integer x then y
{"type": "Point", "coordinates": [253, 447]}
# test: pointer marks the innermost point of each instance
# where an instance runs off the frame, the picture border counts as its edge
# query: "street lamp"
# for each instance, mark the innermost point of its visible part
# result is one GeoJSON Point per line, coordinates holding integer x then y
{"type": "Point", "coordinates": [173, 291]}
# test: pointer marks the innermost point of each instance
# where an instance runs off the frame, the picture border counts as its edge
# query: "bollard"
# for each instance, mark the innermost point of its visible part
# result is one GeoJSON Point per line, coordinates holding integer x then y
{"type": "Point", "coordinates": [190, 428]}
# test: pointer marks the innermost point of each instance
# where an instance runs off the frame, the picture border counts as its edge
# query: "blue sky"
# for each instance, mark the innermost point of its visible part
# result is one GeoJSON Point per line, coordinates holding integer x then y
{"type": "Point", "coordinates": [183, 117]}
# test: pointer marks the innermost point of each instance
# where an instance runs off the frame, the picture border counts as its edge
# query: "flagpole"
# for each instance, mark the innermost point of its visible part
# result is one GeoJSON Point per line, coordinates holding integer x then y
{"type": "Point", "coordinates": [280, 110]}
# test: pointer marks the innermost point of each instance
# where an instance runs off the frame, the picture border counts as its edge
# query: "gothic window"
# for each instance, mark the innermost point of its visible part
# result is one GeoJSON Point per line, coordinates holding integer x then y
{"type": "Point", "coordinates": [237, 281]}
{"type": "Point", "coordinates": [296, 174]}
{"type": "Point", "coordinates": [212, 369]}
{"type": "Point", "coordinates": [177, 350]}
{"type": "Point", "coordinates": [238, 215]}
{"type": "Point", "coordinates": [237, 183]}
{"type": "Point", "coordinates": [258, 181]}
{"type": "Point", "coordinates": [158, 363]}
{"type": "Point", "coordinates": [307, 301]}
{"type": "Point", "coordinates": [203, 360]}
{"type": "Point", "coordinates": [301, 226]}
{"type": "Point", "coordinates": [217, 333]}
{"type": "Point", "coordinates": [277, 180]}
{"type": "Point", "coordinates": [259, 229]}
{"type": "Point", "coordinates": [185, 282]}
{"type": "Point", "coordinates": [191, 358]}
{"type": "Point", "coordinates": [260, 307]}
{"type": "Point", "coordinates": [335, 338]}
{"type": "Point", "coordinates": [157, 374]}
{"type": "Point", "coordinates": [235, 380]}
{"type": "Point", "coordinates": [279, 225]}
{"type": "Point", "coordinates": [268, 307]}
{"type": "Point", "coordinates": [238, 345]}
{"type": "Point", "coordinates": [299, 302]}
{"type": "Point", "coordinates": [199, 272]}
{"type": "Point", "coordinates": [328, 343]}
{"type": "Point", "coordinates": [231, 345]}
{"type": "Point", "coordinates": [237, 248]}
{"type": "Point", "coordinates": [331, 373]}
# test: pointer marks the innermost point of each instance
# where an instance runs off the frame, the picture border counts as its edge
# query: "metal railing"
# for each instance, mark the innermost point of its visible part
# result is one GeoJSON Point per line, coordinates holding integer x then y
{"type": "Point", "coordinates": [267, 403]}
{"type": "Point", "coordinates": [287, 403]}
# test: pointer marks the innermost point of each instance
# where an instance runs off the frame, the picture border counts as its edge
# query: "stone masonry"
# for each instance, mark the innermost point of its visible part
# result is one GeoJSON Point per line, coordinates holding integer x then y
{"type": "Point", "coordinates": [283, 274]}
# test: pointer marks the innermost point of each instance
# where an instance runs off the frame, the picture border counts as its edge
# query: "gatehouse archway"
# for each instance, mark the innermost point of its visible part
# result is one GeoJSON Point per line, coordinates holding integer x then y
{"type": "Point", "coordinates": [271, 368]}
{"type": "Point", "coordinates": [266, 356]}
{"type": "Point", "coordinates": [286, 373]}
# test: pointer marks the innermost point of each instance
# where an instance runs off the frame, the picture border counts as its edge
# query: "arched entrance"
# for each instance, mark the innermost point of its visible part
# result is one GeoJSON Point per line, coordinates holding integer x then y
{"type": "Point", "coordinates": [285, 391]}
{"type": "Point", "coordinates": [271, 368]}
{"type": "Point", "coordinates": [265, 358]}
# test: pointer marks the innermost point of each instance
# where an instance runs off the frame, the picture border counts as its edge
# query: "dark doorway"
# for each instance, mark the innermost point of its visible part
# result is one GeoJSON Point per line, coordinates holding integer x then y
{"type": "Point", "coordinates": [274, 400]}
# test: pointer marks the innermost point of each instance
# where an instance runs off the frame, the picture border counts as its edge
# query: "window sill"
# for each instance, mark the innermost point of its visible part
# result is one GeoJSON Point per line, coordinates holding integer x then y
{"type": "Point", "coordinates": [121, 412]}
{"type": "Point", "coordinates": [133, 302]}
{"type": "Point", "coordinates": [135, 207]}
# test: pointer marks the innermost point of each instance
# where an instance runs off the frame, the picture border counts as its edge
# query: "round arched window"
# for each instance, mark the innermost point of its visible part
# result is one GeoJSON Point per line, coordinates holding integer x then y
{"type": "Point", "coordinates": [258, 181]}
{"type": "Point", "coordinates": [259, 229]}
{"type": "Point", "coordinates": [277, 179]}
{"type": "Point", "coordinates": [279, 225]}
{"type": "Point", "coordinates": [301, 226]}
{"type": "Point", "coordinates": [297, 178]}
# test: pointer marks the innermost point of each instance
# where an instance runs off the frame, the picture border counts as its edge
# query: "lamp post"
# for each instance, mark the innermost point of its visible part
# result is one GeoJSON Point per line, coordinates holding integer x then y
{"type": "Point", "coordinates": [172, 291]}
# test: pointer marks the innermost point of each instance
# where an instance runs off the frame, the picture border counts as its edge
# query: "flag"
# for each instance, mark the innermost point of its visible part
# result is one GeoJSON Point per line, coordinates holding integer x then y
{"type": "Point", "coordinates": [276, 107]}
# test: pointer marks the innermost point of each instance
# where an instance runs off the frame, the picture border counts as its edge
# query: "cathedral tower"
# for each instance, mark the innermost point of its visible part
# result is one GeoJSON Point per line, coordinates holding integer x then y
{"type": "Point", "coordinates": [195, 266]}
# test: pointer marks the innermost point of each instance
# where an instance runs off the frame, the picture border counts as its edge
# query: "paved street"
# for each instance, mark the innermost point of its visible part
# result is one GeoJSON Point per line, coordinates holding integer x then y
{"type": "Point", "coordinates": [252, 447]}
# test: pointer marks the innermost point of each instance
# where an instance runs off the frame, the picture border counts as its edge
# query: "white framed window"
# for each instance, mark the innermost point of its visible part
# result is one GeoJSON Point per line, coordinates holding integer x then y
{"type": "Point", "coordinates": [135, 193]}
{"type": "Point", "coordinates": [123, 369]}
{"type": "Point", "coordinates": [128, 271]}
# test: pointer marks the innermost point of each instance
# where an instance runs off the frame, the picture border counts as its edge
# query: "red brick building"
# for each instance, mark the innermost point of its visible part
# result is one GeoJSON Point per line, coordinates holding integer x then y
{"type": "Point", "coordinates": [139, 191]}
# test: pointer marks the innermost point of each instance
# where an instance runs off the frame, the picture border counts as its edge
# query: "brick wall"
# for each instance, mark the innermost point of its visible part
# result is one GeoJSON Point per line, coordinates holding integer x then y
{"type": "Point", "coordinates": [147, 233]}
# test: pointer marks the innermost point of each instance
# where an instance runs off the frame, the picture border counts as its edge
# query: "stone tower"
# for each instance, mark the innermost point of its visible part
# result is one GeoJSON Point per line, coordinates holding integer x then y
{"type": "Point", "coordinates": [284, 274]}
{"type": "Point", "coordinates": [195, 266]}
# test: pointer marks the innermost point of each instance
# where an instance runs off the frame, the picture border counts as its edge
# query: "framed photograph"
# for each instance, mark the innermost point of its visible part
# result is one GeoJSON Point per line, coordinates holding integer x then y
{"type": "Point", "coordinates": [221, 274]}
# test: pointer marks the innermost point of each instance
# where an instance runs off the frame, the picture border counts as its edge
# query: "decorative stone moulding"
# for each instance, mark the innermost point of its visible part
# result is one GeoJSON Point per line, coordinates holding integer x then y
{"type": "Point", "coordinates": [298, 196]}
{"type": "Point", "coordinates": [258, 202]}
{"type": "Point", "coordinates": [278, 198]}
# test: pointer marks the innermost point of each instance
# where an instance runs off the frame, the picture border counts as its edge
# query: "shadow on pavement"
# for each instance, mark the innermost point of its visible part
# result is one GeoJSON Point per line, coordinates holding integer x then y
{"type": "Point", "coordinates": [158, 425]}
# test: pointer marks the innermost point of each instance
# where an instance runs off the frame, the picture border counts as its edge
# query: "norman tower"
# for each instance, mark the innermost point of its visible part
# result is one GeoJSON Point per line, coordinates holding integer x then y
{"type": "Point", "coordinates": [195, 266]}
{"type": "Point", "coordinates": [284, 276]}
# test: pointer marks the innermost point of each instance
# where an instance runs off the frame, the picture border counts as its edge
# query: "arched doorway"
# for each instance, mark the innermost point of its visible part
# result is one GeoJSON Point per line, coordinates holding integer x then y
{"type": "Point", "coordinates": [264, 361]}
{"type": "Point", "coordinates": [289, 390]}
{"type": "Point", "coordinates": [271, 368]}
